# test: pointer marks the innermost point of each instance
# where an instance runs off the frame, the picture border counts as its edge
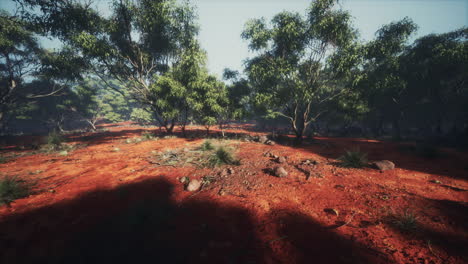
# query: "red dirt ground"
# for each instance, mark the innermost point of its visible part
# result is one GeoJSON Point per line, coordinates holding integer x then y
{"type": "Point", "coordinates": [101, 205]}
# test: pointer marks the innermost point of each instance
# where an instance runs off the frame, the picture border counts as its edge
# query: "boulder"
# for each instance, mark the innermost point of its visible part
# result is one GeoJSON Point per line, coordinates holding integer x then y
{"type": "Point", "coordinates": [194, 185]}
{"type": "Point", "coordinates": [280, 172]}
{"type": "Point", "coordinates": [384, 165]}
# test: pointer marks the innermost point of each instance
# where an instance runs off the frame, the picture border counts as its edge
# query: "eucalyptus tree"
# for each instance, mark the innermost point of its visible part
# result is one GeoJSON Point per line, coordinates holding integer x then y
{"type": "Point", "coordinates": [435, 67]}
{"type": "Point", "coordinates": [137, 44]}
{"type": "Point", "coordinates": [289, 75]}
{"type": "Point", "coordinates": [22, 61]}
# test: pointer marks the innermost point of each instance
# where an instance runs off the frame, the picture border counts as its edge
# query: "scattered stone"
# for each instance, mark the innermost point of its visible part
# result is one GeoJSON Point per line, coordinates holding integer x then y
{"type": "Point", "coordinates": [309, 162]}
{"type": "Point", "coordinates": [281, 160]}
{"type": "Point", "coordinates": [184, 180]}
{"type": "Point", "coordinates": [384, 165]}
{"type": "Point", "coordinates": [280, 172]}
{"type": "Point", "coordinates": [270, 142]}
{"type": "Point", "coordinates": [52, 191]}
{"type": "Point", "coordinates": [222, 192]}
{"type": "Point", "coordinates": [274, 156]}
{"type": "Point", "coordinates": [230, 170]}
{"type": "Point", "coordinates": [339, 186]}
{"type": "Point", "coordinates": [436, 181]}
{"type": "Point", "coordinates": [116, 149]}
{"type": "Point", "coordinates": [263, 139]}
{"type": "Point", "coordinates": [194, 185]}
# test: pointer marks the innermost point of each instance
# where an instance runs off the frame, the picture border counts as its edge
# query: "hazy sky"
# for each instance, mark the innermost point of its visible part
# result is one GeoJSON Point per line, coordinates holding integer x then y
{"type": "Point", "coordinates": [222, 21]}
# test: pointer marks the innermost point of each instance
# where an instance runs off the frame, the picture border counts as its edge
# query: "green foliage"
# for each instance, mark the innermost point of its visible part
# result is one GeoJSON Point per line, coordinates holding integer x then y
{"type": "Point", "coordinates": [12, 188]}
{"type": "Point", "coordinates": [290, 76]}
{"type": "Point", "coordinates": [207, 145]}
{"type": "Point", "coordinates": [222, 156]}
{"type": "Point", "coordinates": [54, 139]}
{"type": "Point", "coordinates": [354, 159]}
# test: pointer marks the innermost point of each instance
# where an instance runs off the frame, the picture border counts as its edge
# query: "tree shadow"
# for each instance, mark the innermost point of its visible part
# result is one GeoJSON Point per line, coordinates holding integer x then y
{"type": "Point", "coordinates": [141, 223]}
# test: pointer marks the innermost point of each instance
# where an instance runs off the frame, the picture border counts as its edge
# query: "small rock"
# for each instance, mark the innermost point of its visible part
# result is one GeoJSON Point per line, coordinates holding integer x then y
{"type": "Point", "coordinates": [262, 139]}
{"type": "Point", "coordinates": [436, 181]}
{"type": "Point", "coordinates": [310, 162]}
{"type": "Point", "coordinates": [270, 142]}
{"type": "Point", "coordinates": [52, 191]}
{"type": "Point", "coordinates": [281, 160]}
{"type": "Point", "coordinates": [339, 186]}
{"type": "Point", "coordinates": [194, 185]}
{"type": "Point", "coordinates": [384, 165]}
{"type": "Point", "coordinates": [280, 172]}
{"type": "Point", "coordinates": [222, 192]}
{"type": "Point", "coordinates": [274, 156]}
{"type": "Point", "coordinates": [230, 170]}
{"type": "Point", "coordinates": [184, 180]}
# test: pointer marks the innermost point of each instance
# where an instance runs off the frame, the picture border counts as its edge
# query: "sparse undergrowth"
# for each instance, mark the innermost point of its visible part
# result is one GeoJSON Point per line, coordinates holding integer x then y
{"type": "Point", "coordinates": [55, 143]}
{"type": "Point", "coordinates": [206, 155]}
{"type": "Point", "coordinates": [354, 159]}
{"type": "Point", "coordinates": [12, 188]}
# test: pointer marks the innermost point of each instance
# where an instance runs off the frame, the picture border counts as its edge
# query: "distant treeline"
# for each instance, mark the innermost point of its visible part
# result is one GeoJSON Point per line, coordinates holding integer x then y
{"type": "Point", "coordinates": [310, 72]}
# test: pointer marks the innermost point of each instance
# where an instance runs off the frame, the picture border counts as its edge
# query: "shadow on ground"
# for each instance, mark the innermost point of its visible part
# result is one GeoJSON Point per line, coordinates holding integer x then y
{"type": "Point", "coordinates": [141, 223]}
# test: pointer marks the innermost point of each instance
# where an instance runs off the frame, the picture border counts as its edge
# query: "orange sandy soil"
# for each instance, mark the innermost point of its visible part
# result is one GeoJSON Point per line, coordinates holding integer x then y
{"type": "Point", "coordinates": [97, 205]}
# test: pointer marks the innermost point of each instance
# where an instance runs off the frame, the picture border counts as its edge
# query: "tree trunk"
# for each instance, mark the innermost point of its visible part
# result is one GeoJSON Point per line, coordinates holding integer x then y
{"type": "Point", "coordinates": [207, 131]}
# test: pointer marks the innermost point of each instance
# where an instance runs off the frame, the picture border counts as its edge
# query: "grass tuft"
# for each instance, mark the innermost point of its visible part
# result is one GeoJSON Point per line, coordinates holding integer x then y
{"type": "Point", "coordinates": [207, 145]}
{"type": "Point", "coordinates": [147, 135]}
{"type": "Point", "coordinates": [354, 159]}
{"type": "Point", "coordinates": [223, 156]}
{"type": "Point", "coordinates": [406, 222]}
{"type": "Point", "coordinates": [11, 188]}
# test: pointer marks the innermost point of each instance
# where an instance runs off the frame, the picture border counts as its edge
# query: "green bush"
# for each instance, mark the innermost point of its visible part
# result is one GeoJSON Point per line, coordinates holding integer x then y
{"type": "Point", "coordinates": [54, 139]}
{"type": "Point", "coordinates": [223, 156]}
{"type": "Point", "coordinates": [11, 189]}
{"type": "Point", "coordinates": [354, 159]}
{"type": "Point", "coordinates": [207, 145]}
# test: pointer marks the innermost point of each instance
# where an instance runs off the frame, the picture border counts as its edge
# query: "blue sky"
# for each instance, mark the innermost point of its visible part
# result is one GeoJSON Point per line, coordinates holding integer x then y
{"type": "Point", "coordinates": [222, 21]}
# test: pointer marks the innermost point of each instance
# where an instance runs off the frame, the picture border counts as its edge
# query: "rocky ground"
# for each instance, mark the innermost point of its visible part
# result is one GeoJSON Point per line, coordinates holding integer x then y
{"type": "Point", "coordinates": [120, 197]}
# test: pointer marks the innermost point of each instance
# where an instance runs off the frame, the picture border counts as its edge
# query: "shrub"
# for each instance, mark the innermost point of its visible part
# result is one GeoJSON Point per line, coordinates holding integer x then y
{"type": "Point", "coordinates": [3, 159]}
{"type": "Point", "coordinates": [223, 156]}
{"type": "Point", "coordinates": [11, 189]}
{"type": "Point", "coordinates": [354, 159]}
{"type": "Point", "coordinates": [54, 139]}
{"type": "Point", "coordinates": [207, 145]}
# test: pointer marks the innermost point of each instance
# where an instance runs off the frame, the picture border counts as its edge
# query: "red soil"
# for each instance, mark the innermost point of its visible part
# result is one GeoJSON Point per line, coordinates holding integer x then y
{"type": "Point", "coordinates": [101, 205]}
